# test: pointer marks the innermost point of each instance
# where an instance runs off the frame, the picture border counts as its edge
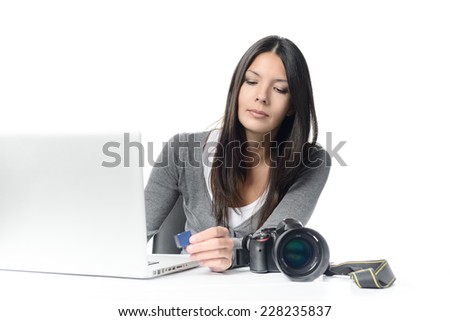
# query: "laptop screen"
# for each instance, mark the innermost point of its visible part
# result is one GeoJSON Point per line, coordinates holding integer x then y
{"type": "Point", "coordinates": [62, 210]}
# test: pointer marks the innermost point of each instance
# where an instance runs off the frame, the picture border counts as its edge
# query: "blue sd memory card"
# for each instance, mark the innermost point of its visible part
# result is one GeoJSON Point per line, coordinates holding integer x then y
{"type": "Point", "coordinates": [182, 239]}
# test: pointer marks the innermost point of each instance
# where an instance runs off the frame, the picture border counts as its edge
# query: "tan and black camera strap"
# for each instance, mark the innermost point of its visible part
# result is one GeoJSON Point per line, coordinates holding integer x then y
{"type": "Point", "coordinates": [376, 274]}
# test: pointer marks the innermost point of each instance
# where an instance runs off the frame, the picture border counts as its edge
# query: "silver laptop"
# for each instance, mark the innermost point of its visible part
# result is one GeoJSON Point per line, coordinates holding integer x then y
{"type": "Point", "coordinates": [65, 207]}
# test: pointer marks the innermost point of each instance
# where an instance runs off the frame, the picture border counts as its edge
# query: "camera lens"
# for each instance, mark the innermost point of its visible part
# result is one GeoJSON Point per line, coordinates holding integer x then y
{"type": "Point", "coordinates": [301, 253]}
{"type": "Point", "coordinates": [297, 253]}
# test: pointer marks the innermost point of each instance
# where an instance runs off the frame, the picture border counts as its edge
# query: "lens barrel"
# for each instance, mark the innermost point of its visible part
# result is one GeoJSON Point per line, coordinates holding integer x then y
{"type": "Point", "coordinates": [302, 254]}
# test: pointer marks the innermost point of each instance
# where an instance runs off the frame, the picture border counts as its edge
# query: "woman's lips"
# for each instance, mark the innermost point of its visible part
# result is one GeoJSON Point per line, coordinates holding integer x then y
{"type": "Point", "coordinates": [257, 113]}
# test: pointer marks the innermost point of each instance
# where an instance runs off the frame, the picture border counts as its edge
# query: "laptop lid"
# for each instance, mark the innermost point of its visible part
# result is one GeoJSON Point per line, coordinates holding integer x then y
{"type": "Point", "coordinates": [62, 210]}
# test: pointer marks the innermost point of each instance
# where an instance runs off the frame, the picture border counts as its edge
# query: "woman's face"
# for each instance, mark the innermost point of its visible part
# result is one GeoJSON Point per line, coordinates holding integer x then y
{"type": "Point", "coordinates": [264, 97]}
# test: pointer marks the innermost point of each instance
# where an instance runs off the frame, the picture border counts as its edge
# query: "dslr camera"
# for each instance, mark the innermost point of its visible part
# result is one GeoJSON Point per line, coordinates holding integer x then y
{"type": "Point", "coordinates": [300, 253]}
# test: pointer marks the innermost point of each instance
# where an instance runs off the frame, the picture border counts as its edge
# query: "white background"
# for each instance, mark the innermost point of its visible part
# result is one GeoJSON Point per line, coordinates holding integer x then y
{"type": "Point", "coordinates": [380, 73]}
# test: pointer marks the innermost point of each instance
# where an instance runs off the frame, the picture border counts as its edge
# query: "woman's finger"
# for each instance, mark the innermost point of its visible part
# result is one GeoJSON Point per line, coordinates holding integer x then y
{"type": "Point", "coordinates": [212, 232]}
{"type": "Point", "coordinates": [211, 244]}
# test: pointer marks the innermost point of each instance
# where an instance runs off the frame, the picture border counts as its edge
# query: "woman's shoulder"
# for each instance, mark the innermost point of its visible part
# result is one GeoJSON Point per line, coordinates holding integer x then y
{"type": "Point", "coordinates": [315, 161]}
{"type": "Point", "coordinates": [314, 169]}
{"type": "Point", "coordinates": [192, 137]}
{"type": "Point", "coordinates": [189, 144]}
{"type": "Point", "coordinates": [316, 155]}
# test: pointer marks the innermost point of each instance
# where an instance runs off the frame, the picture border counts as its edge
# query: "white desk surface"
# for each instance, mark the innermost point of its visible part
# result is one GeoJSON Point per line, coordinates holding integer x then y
{"type": "Point", "coordinates": [38, 296]}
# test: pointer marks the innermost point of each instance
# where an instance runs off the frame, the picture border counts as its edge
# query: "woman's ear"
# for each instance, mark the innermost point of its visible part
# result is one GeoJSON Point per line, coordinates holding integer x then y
{"type": "Point", "coordinates": [290, 112]}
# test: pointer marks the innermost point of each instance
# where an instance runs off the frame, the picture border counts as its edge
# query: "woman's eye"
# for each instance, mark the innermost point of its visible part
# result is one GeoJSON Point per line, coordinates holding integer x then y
{"type": "Point", "coordinates": [250, 82]}
{"type": "Point", "coordinates": [281, 90]}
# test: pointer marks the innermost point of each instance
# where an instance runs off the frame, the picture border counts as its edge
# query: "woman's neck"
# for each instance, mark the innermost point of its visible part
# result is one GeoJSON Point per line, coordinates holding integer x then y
{"type": "Point", "coordinates": [258, 148]}
{"type": "Point", "coordinates": [255, 184]}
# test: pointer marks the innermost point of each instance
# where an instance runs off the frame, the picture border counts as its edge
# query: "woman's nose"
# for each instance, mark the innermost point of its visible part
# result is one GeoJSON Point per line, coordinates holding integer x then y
{"type": "Point", "coordinates": [262, 98]}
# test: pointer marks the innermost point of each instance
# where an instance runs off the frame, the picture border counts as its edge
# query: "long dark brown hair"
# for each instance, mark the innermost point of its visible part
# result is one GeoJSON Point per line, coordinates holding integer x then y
{"type": "Point", "coordinates": [291, 140]}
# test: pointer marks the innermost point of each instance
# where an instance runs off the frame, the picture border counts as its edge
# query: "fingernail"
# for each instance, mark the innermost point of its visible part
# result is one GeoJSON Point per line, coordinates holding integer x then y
{"type": "Point", "coordinates": [189, 248]}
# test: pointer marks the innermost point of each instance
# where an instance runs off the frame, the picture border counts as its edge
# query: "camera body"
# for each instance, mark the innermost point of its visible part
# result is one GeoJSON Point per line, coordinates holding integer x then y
{"type": "Point", "coordinates": [301, 253]}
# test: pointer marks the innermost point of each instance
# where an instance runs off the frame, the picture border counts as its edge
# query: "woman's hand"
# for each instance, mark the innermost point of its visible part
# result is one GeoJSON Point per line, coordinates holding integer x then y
{"type": "Point", "coordinates": [212, 248]}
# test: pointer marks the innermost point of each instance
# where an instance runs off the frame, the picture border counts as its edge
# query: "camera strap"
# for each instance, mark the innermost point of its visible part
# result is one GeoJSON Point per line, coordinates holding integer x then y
{"type": "Point", "coordinates": [376, 274]}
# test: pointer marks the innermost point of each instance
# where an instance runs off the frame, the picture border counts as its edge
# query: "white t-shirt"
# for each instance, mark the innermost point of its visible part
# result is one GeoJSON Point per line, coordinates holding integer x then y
{"type": "Point", "coordinates": [235, 217]}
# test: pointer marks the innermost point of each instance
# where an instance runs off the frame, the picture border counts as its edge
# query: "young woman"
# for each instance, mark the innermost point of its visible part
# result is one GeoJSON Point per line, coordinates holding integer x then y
{"type": "Point", "coordinates": [261, 166]}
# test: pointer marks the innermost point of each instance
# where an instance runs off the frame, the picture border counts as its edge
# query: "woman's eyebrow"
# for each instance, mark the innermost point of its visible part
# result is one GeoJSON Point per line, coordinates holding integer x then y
{"type": "Point", "coordinates": [276, 80]}
{"type": "Point", "coordinates": [253, 72]}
